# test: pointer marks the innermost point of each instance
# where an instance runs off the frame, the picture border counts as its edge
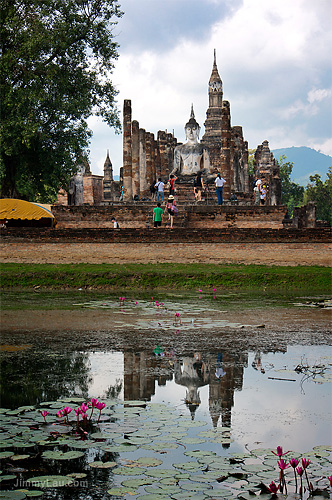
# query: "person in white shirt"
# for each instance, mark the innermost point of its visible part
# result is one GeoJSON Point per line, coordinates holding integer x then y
{"type": "Point", "coordinates": [160, 186]}
{"type": "Point", "coordinates": [219, 182]}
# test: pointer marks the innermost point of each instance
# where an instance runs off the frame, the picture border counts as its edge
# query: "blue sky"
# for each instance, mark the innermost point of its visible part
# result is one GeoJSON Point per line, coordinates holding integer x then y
{"type": "Point", "coordinates": [273, 56]}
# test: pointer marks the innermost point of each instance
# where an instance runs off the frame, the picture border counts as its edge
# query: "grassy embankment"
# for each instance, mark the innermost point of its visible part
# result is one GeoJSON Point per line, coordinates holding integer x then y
{"type": "Point", "coordinates": [164, 277]}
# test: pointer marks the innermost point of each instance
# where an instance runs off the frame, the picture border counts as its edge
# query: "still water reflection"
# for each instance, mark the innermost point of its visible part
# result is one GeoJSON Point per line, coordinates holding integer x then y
{"type": "Point", "coordinates": [269, 397]}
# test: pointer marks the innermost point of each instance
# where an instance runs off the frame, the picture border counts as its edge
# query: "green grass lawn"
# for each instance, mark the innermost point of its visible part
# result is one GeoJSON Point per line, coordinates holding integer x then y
{"type": "Point", "coordinates": [164, 277]}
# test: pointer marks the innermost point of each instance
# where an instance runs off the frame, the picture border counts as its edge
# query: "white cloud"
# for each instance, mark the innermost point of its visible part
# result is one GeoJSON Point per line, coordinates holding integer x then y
{"type": "Point", "coordinates": [273, 57]}
{"type": "Point", "coordinates": [318, 95]}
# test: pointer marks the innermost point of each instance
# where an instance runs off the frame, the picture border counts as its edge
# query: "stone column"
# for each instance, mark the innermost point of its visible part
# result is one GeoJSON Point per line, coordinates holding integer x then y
{"type": "Point", "coordinates": [225, 152]}
{"type": "Point", "coordinates": [142, 163]}
{"type": "Point", "coordinates": [135, 159]}
{"type": "Point", "coordinates": [127, 153]}
{"type": "Point", "coordinates": [149, 138]}
{"type": "Point", "coordinates": [162, 143]}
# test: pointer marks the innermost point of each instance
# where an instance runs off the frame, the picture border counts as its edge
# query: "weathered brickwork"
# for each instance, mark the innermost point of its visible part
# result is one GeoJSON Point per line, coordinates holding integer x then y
{"type": "Point", "coordinates": [176, 235]}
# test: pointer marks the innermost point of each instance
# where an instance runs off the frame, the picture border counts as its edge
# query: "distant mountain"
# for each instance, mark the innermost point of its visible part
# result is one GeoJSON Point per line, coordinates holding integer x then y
{"type": "Point", "coordinates": [306, 161]}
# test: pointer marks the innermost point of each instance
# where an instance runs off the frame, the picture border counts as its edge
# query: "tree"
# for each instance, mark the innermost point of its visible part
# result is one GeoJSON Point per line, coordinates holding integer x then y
{"type": "Point", "coordinates": [56, 59]}
{"type": "Point", "coordinates": [321, 193]}
{"type": "Point", "coordinates": [291, 193]}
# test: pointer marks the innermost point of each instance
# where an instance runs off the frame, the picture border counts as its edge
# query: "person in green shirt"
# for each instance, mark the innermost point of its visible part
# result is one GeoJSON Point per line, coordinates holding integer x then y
{"type": "Point", "coordinates": [157, 215]}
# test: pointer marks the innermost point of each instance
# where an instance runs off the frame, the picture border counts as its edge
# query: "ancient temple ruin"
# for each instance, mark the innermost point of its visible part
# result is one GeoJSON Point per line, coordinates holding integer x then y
{"type": "Point", "coordinates": [147, 157]}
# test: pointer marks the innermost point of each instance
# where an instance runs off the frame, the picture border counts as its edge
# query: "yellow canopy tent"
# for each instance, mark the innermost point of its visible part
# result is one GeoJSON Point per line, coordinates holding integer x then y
{"type": "Point", "coordinates": [20, 210]}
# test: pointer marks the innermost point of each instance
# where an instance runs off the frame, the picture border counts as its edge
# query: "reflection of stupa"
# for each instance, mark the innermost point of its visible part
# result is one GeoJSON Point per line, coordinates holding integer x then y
{"type": "Point", "coordinates": [221, 390]}
{"type": "Point", "coordinates": [192, 373]}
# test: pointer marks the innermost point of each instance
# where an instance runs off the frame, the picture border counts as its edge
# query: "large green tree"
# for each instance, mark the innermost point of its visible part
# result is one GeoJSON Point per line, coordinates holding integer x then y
{"type": "Point", "coordinates": [321, 193]}
{"type": "Point", "coordinates": [55, 64]}
{"type": "Point", "coordinates": [291, 193]}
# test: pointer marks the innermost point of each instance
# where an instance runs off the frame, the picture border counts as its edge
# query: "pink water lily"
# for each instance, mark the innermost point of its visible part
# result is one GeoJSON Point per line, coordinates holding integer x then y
{"type": "Point", "coordinates": [84, 407]}
{"type": "Point", "coordinates": [100, 406]}
{"type": "Point", "coordinates": [280, 453]}
{"type": "Point", "coordinates": [283, 464]}
{"type": "Point", "coordinates": [93, 402]}
{"type": "Point", "coordinates": [300, 471]}
{"type": "Point", "coordinates": [273, 488]}
{"type": "Point", "coordinates": [44, 414]}
{"type": "Point", "coordinates": [60, 413]}
{"type": "Point", "coordinates": [330, 479]}
{"type": "Point", "coordinates": [305, 463]}
{"type": "Point", "coordinates": [294, 462]}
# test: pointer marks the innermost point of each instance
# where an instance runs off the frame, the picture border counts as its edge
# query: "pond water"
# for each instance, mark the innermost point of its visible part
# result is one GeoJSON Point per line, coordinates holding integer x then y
{"type": "Point", "coordinates": [222, 376]}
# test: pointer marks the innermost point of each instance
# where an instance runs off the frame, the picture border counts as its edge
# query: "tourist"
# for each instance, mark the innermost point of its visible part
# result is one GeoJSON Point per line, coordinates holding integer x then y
{"type": "Point", "coordinates": [198, 186]}
{"type": "Point", "coordinates": [121, 194]}
{"type": "Point", "coordinates": [115, 223]}
{"type": "Point", "coordinates": [153, 191]}
{"type": "Point", "coordinates": [160, 189]}
{"type": "Point", "coordinates": [263, 195]}
{"type": "Point", "coordinates": [171, 209]}
{"type": "Point", "coordinates": [219, 182]}
{"type": "Point", "coordinates": [157, 215]}
{"type": "Point", "coordinates": [171, 180]}
{"type": "Point", "coordinates": [257, 193]}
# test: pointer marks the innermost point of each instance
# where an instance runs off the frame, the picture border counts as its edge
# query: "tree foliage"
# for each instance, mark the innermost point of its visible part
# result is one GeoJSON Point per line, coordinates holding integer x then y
{"type": "Point", "coordinates": [291, 193]}
{"type": "Point", "coordinates": [321, 193]}
{"type": "Point", "coordinates": [56, 59]}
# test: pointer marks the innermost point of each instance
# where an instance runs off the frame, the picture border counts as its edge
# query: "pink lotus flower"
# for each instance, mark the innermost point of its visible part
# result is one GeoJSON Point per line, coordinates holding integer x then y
{"type": "Point", "coordinates": [60, 413]}
{"type": "Point", "coordinates": [305, 463]}
{"type": "Point", "coordinates": [300, 471]}
{"type": "Point", "coordinates": [44, 413]}
{"type": "Point", "coordinates": [214, 289]}
{"type": "Point", "coordinates": [273, 488]}
{"type": "Point", "coordinates": [330, 479]}
{"type": "Point", "coordinates": [177, 315]}
{"type": "Point", "coordinates": [66, 410]}
{"type": "Point", "coordinates": [283, 465]}
{"type": "Point", "coordinates": [100, 405]}
{"type": "Point", "coordinates": [280, 452]}
{"type": "Point", "coordinates": [161, 303]}
{"type": "Point", "coordinates": [214, 296]}
{"type": "Point", "coordinates": [294, 462]}
{"type": "Point", "coordinates": [200, 290]}
{"type": "Point", "coordinates": [78, 411]}
{"type": "Point", "coordinates": [136, 303]}
{"type": "Point", "coordinates": [93, 402]}
{"type": "Point", "coordinates": [84, 407]}
{"type": "Point", "coordinates": [84, 416]}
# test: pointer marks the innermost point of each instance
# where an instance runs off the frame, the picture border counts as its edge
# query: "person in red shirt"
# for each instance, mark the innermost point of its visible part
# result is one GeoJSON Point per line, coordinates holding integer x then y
{"type": "Point", "coordinates": [171, 180]}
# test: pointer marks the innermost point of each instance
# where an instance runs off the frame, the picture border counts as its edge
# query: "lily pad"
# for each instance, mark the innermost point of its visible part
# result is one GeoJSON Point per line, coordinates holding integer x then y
{"type": "Point", "coordinates": [32, 493]}
{"type": "Point", "coordinates": [60, 455]}
{"type": "Point", "coordinates": [121, 491]}
{"type": "Point", "coordinates": [135, 483]}
{"type": "Point", "coordinates": [133, 470]}
{"type": "Point", "coordinates": [52, 481]}
{"type": "Point", "coordinates": [103, 465]}
{"type": "Point", "coordinates": [12, 495]}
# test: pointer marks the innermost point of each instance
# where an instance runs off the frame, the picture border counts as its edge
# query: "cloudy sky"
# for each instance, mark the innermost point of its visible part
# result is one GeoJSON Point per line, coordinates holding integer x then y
{"type": "Point", "coordinates": [273, 56]}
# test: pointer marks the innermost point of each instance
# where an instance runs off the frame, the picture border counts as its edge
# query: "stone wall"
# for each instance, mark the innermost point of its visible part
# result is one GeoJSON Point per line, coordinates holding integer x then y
{"type": "Point", "coordinates": [177, 235]}
{"type": "Point", "coordinates": [139, 215]}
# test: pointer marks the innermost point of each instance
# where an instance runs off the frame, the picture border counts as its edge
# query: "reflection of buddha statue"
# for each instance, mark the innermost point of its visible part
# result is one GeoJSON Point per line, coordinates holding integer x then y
{"type": "Point", "coordinates": [191, 157]}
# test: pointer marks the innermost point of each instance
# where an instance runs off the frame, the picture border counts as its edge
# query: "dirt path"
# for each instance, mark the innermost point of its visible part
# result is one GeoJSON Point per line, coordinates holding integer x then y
{"type": "Point", "coordinates": [286, 254]}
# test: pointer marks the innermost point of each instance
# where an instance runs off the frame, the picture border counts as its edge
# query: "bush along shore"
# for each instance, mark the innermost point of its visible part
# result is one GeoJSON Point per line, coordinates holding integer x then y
{"type": "Point", "coordinates": [164, 277]}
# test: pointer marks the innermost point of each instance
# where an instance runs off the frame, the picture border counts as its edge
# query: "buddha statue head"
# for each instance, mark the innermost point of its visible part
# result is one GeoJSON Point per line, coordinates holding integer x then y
{"type": "Point", "coordinates": [192, 128]}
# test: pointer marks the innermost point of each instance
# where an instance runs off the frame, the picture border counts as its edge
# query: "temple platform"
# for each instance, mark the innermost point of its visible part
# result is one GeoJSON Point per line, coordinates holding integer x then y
{"type": "Point", "coordinates": [191, 215]}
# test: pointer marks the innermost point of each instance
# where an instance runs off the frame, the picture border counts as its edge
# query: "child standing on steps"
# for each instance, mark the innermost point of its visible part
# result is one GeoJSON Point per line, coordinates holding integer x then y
{"type": "Point", "coordinates": [171, 209]}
